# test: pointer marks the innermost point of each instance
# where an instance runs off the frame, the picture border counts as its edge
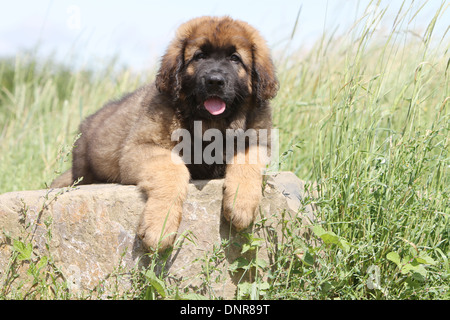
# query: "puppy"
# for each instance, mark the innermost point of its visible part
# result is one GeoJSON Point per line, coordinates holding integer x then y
{"type": "Point", "coordinates": [216, 74]}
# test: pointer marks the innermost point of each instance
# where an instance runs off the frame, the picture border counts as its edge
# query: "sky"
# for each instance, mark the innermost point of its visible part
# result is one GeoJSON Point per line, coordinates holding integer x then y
{"type": "Point", "coordinates": [138, 31]}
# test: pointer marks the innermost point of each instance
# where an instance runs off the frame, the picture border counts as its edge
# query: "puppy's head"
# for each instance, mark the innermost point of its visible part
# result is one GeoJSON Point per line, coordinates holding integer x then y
{"type": "Point", "coordinates": [215, 64]}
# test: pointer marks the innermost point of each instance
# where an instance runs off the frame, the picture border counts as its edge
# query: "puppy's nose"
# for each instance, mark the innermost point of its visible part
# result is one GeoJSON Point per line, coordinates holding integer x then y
{"type": "Point", "coordinates": [215, 81]}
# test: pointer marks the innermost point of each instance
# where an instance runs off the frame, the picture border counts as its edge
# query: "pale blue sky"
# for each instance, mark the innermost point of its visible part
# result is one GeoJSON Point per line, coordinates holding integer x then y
{"type": "Point", "coordinates": [139, 30]}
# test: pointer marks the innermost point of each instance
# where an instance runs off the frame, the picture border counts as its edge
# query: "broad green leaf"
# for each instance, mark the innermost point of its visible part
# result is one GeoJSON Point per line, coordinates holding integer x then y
{"type": "Point", "coordinates": [318, 231]}
{"type": "Point", "coordinates": [24, 251]}
{"type": "Point", "coordinates": [254, 290]}
{"type": "Point", "coordinates": [308, 259]}
{"type": "Point", "coordinates": [326, 286]}
{"type": "Point", "coordinates": [244, 288]}
{"type": "Point", "coordinates": [156, 283]}
{"type": "Point", "coordinates": [264, 286]}
{"type": "Point", "coordinates": [407, 268]}
{"type": "Point", "coordinates": [394, 257]}
{"type": "Point", "coordinates": [419, 273]}
{"type": "Point", "coordinates": [261, 263]}
{"type": "Point", "coordinates": [239, 263]}
{"type": "Point", "coordinates": [245, 247]}
{"type": "Point", "coordinates": [28, 251]}
{"type": "Point", "coordinates": [425, 259]}
{"type": "Point", "coordinates": [42, 262]}
{"type": "Point", "coordinates": [330, 238]}
{"type": "Point", "coordinates": [406, 259]}
{"type": "Point", "coordinates": [19, 246]}
{"type": "Point", "coordinates": [343, 244]}
{"type": "Point", "coordinates": [415, 268]}
{"type": "Point", "coordinates": [256, 242]}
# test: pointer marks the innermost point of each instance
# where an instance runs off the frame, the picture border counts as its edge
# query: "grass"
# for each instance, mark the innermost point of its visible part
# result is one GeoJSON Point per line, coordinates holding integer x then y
{"type": "Point", "coordinates": [364, 115]}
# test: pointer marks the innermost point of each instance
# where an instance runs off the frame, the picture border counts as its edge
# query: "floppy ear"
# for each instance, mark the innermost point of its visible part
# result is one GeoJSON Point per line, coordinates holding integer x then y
{"type": "Point", "coordinates": [168, 78]}
{"type": "Point", "coordinates": [265, 83]}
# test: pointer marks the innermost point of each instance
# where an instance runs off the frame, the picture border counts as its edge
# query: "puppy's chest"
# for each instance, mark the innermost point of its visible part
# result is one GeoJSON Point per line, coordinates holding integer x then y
{"type": "Point", "coordinates": [203, 150]}
{"type": "Point", "coordinates": [206, 147]}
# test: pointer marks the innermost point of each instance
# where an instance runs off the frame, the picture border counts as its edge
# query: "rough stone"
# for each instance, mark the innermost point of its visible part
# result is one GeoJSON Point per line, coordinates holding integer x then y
{"type": "Point", "coordinates": [89, 232]}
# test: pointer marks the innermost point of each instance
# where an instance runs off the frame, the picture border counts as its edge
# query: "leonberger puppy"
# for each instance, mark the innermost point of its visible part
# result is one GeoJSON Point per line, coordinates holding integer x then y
{"type": "Point", "coordinates": [217, 72]}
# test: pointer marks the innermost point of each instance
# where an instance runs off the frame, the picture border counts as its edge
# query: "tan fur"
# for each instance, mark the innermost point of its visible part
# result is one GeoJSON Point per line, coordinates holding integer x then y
{"type": "Point", "coordinates": [129, 141]}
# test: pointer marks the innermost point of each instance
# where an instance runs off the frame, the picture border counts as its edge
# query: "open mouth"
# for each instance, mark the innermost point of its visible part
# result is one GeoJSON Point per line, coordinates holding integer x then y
{"type": "Point", "coordinates": [215, 106]}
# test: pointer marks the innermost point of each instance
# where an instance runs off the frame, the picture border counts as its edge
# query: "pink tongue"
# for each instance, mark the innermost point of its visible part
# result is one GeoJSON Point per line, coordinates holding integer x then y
{"type": "Point", "coordinates": [215, 106]}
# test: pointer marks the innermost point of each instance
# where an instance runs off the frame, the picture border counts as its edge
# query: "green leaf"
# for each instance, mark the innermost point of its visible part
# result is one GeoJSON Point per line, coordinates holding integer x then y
{"type": "Point", "coordinates": [246, 247]}
{"type": "Point", "coordinates": [406, 259]}
{"type": "Point", "coordinates": [414, 268]}
{"type": "Point", "coordinates": [253, 290]}
{"type": "Point", "coordinates": [239, 263]}
{"type": "Point", "coordinates": [327, 286]}
{"type": "Point", "coordinates": [329, 237]}
{"type": "Point", "coordinates": [42, 262]}
{"type": "Point", "coordinates": [252, 245]}
{"type": "Point", "coordinates": [244, 288]}
{"type": "Point", "coordinates": [420, 273]}
{"type": "Point", "coordinates": [343, 244]}
{"type": "Point", "coordinates": [308, 259]}
{"type": "Point", "coordinates": [24, 251]}
{"type": "Point", "coordinates": [394, 257]}
{"type": "Point", "coordinates": [156, 283]}
{"type": "Point", "coordinates": [258, 289]}
{"type": "Point", "coordinates": [264, 286]}
{"type": "Point", "coordinates": [318, 231]}
{"type": "Point", "coordinates": [261, 263]}
{"type": "Point", "coordinates": [256, 242]}
{"type": "Point", "coordinates": [425, 259]}
{"type": "Point", "coordinates": [19, 246]}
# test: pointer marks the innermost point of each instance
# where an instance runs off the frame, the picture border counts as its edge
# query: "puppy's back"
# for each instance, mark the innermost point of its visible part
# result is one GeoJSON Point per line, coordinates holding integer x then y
{"type": "Point", "coordinates": [97, 152]}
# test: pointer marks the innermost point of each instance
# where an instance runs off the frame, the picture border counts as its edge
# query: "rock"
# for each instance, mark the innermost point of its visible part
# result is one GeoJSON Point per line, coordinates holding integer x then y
{"type": "Point", "coordinates": [89, 233]}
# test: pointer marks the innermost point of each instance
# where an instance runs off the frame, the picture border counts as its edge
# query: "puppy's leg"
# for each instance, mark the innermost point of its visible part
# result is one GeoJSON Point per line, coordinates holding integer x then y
{"type": "Point", "coordinates": [165, 184]}
{"type": "Point", "coordinates": [242, 191]}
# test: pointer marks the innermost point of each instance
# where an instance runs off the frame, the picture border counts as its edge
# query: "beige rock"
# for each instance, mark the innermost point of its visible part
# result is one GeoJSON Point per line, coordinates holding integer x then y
{"type": "Point", "coordinates": [89, 231]}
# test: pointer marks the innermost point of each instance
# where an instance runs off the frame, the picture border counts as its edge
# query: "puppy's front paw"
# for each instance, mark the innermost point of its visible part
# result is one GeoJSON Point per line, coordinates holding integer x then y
{"type": "Point", "coordinates": [151, 232]}
{"type": "Point", "coordinates": [240, 203]}
{"type": "Point", "coordinates": [154, 240]}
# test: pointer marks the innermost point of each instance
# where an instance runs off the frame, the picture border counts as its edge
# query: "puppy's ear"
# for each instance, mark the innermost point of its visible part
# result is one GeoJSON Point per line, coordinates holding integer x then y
{"type": "Point", "coordinates": [265, 82]}
{"type": "Point", "coordinates": [168, 78]}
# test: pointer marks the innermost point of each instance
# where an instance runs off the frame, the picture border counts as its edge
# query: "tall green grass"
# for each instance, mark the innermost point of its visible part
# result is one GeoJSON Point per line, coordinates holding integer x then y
{"type": "Point", "coordinates": [42, 103]}
{"type": "Point", "coordinates": [364, 115]}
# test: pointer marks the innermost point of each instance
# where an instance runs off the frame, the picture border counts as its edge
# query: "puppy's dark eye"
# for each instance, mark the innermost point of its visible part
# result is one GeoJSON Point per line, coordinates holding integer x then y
{"type": "Point", "coordinates": [199, 56]}
{"type": "Point", "coordinates": [235, 57]}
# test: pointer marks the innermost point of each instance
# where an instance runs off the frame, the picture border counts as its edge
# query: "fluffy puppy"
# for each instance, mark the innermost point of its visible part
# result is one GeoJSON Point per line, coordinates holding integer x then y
{"type": "Point", "coordinates": [218, 73]}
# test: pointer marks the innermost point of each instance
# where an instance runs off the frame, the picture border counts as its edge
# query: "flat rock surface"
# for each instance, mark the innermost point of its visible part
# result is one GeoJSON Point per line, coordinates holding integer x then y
{"type": "Point", "coordinates": [90, 232]}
